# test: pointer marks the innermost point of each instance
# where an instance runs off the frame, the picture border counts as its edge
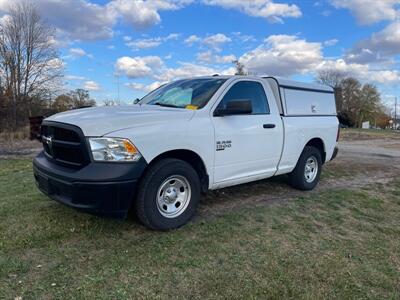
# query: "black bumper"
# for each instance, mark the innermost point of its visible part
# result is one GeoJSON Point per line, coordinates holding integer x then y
{"type": "Point", "coordinates": [335, 153]}
{"type": "Point", "coordinates": [99, 188]}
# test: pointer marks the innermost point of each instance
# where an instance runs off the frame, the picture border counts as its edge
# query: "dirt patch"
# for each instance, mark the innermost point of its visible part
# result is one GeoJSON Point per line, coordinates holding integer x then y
{"type": "Point", "coordinates": [19, 148]}
{"type": "Point", "coordinates": [392, 146]}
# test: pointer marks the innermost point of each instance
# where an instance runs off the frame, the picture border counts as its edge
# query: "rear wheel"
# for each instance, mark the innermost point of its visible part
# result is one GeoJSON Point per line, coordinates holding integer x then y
{"type": "Point", "coordinates": [307, 172]}
{"type": "Point", "coordinates": [168, 195]}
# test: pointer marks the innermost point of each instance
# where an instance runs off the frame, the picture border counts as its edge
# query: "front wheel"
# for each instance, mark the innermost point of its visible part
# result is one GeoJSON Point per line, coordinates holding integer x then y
{"type": "Point", "coordinates": [307, 172]}
{"type": "Point", "coordinates": [168, 195]}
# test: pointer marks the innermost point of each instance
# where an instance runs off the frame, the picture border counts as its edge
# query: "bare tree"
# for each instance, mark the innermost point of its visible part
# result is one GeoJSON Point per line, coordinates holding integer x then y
{"type": "Point", "coordinates": [29, 63]}
{"type": "Point", "coordinates": [240, 69]}
{"type": "Point", "coordinates": [111, 102]}
{"type": "Point", "coordinates": [81, 98]}
{"type": "Point", "coordinates": [331, 77]}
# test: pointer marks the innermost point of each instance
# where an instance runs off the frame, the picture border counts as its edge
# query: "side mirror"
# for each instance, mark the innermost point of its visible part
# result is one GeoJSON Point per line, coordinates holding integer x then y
{"type": "Point", "coordinates": [136, 101]}
{"type": "Point", "coordinates": [235, 107]}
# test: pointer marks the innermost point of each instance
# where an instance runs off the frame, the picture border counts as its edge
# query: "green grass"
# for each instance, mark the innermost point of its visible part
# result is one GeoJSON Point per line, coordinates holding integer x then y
{"type": "Point", "coordinates": [335, 244]}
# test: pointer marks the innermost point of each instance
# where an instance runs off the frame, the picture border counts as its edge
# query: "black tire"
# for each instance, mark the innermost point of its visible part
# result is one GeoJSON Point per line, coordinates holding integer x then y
{"type": "Point", "coordinates": [146, 207]}
{"type": "Point", "coordinates": [297, 177]}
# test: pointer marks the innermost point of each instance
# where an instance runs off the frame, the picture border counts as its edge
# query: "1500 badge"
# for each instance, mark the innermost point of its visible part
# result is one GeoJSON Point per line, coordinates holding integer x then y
{"type": "Point", "coordinates": [221, 145]}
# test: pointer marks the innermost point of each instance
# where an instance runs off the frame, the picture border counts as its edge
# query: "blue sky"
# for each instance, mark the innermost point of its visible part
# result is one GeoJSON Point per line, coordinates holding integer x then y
{"type": "Point", "coordinates": [136, 45]}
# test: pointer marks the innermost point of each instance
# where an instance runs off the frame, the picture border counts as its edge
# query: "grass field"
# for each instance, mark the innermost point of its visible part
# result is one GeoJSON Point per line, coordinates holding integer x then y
{"type": "Point", "coordinates": [338, 243]}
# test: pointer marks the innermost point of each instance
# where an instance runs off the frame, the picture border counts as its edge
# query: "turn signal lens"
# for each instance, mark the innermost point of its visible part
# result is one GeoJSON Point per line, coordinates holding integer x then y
{"type": "Point", "coordinates": [130, 148]}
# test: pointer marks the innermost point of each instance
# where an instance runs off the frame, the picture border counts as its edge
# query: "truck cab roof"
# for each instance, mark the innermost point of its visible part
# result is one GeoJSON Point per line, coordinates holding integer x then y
{"type": "Point", "coordinates": [280, 81]}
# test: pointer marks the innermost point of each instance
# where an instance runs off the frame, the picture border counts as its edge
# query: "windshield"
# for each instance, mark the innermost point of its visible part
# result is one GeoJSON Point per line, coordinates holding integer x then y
{"type": "Point", "coordinates": [187, 93]}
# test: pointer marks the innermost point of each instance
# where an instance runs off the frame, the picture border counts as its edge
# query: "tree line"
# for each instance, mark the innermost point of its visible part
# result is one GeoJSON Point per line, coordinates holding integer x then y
{"type": "Point", "coordinates": [355, 102]}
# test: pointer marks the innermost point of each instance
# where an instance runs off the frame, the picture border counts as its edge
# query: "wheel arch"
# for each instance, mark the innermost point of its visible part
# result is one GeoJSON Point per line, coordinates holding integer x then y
{"type": "Point", "coordinates": [192, 158]}
{"type": "Point", "coordinates": [320, 145]}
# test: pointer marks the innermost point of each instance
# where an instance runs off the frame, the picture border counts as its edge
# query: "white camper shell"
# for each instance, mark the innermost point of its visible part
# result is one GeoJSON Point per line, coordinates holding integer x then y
{"type": "Point", "coordinates": [302, 99]}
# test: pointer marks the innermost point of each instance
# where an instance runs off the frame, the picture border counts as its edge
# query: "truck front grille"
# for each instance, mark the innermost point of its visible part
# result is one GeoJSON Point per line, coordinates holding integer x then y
{"type": "Point", "coordinates": [64, 144]}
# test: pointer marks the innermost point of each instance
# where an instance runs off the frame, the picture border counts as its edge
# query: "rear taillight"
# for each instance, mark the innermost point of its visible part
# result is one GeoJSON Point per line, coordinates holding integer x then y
{"type": "Point", "coordinates": [338, 133]}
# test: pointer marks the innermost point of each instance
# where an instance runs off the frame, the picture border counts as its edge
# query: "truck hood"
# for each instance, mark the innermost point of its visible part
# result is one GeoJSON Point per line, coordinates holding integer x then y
{"type": "Point", "coordinates": [99, 121]}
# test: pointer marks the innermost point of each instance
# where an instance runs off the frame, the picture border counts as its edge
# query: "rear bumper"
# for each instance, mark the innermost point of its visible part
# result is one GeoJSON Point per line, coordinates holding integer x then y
{"type": "Point", "coordinates": [335, 153]}
{"type": "Point", "coordinates": [100, 188]}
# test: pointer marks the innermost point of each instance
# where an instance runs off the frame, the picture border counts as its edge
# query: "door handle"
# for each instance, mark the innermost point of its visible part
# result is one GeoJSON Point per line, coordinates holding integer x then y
{"type": "Point", "coordinates": [267, 126]}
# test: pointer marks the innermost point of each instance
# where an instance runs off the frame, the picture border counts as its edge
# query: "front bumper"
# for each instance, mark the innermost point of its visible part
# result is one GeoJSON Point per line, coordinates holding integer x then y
{"type": "Point", "coordinates": [100, 188]}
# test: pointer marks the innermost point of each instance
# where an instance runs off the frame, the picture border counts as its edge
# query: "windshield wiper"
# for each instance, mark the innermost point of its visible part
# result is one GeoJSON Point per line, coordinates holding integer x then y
{"type": "Point", "coordinates": [166, 105]}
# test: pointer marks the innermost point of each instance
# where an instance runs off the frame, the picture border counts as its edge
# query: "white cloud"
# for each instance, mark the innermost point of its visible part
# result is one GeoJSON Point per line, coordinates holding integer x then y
{"type": "Point", "coordinates": [283, 55]}
{"type": "Point", "coordinates": [331, 42]}
{"type": "Point", "coordinates": [137, 67]}
{"type": "Point", "coordinates": [380, 46]}
{"type": "Point", "coordinates": [225, 59]}
{"type": "Point", "coordinates": [369, 11]}
{"type": "Point", "coordinates": [85, 20]}
{"type": "Point", "coordinates": [192, 39]}
{"type": "Point", "coordinates": [144, 43]}
{"type": "Point", "coordinates": [208, 57]}
{"type": "Point", "coordinates": [361, 71]}
{"type": "Point", "coordinates": [216, 41]}
{"type": "Point", "coordinates": [75, 77]}
{"type": "Point", "coordinates": [172, 36]}
{"type": "Point", "coordinates": [4, 20]}
{"type": "Point", "coordinates": [143, 87]}
{"type": "Point", "coordinates": [244, 37]}
{"type": "Point", "coordinates": [91, 86]}
{"type": "Point", "coordinates": [56, 64]}
{"type": "Point", "coordinates": [143, 14]}
{"type": "Point", "coordinates": [76, 20]}
{"type": "Point", "coordinates": [273, 12]}
{"type": "Point", "coordinates": [184, 71]}
{"type": "Point", "coordinates": [150, 42]}
{"type": "Point", "coordinates": [77, 52]}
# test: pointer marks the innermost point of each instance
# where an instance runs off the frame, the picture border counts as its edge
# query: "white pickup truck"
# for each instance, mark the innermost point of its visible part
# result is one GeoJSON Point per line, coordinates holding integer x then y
{"type": "Point", "coordinates": [185, 138]}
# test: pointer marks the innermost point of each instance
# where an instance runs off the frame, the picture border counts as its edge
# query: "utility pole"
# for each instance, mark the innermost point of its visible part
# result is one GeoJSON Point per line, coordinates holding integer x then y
{"type": "Point", "coordinates": [118, 86]}
{"type": "Point", "coordinates": [395, 113]}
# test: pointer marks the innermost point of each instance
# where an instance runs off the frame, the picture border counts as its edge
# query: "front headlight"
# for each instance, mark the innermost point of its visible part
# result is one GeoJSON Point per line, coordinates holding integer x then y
{"type": "Point", "coordinates": [113, 149]}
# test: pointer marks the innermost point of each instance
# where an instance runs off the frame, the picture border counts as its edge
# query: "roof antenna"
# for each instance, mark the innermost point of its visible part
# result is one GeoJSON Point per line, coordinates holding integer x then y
{"type": "Point", "coordinates": [215, 75]}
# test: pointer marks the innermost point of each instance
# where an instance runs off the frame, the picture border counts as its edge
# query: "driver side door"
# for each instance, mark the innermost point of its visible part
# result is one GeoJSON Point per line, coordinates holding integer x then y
{"type": "Point", "coordinates": [248, 146]}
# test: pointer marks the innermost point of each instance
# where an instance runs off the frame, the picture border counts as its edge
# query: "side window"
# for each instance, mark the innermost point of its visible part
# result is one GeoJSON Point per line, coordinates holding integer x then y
{"type": "Point", "coordinates": [248, 90]}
